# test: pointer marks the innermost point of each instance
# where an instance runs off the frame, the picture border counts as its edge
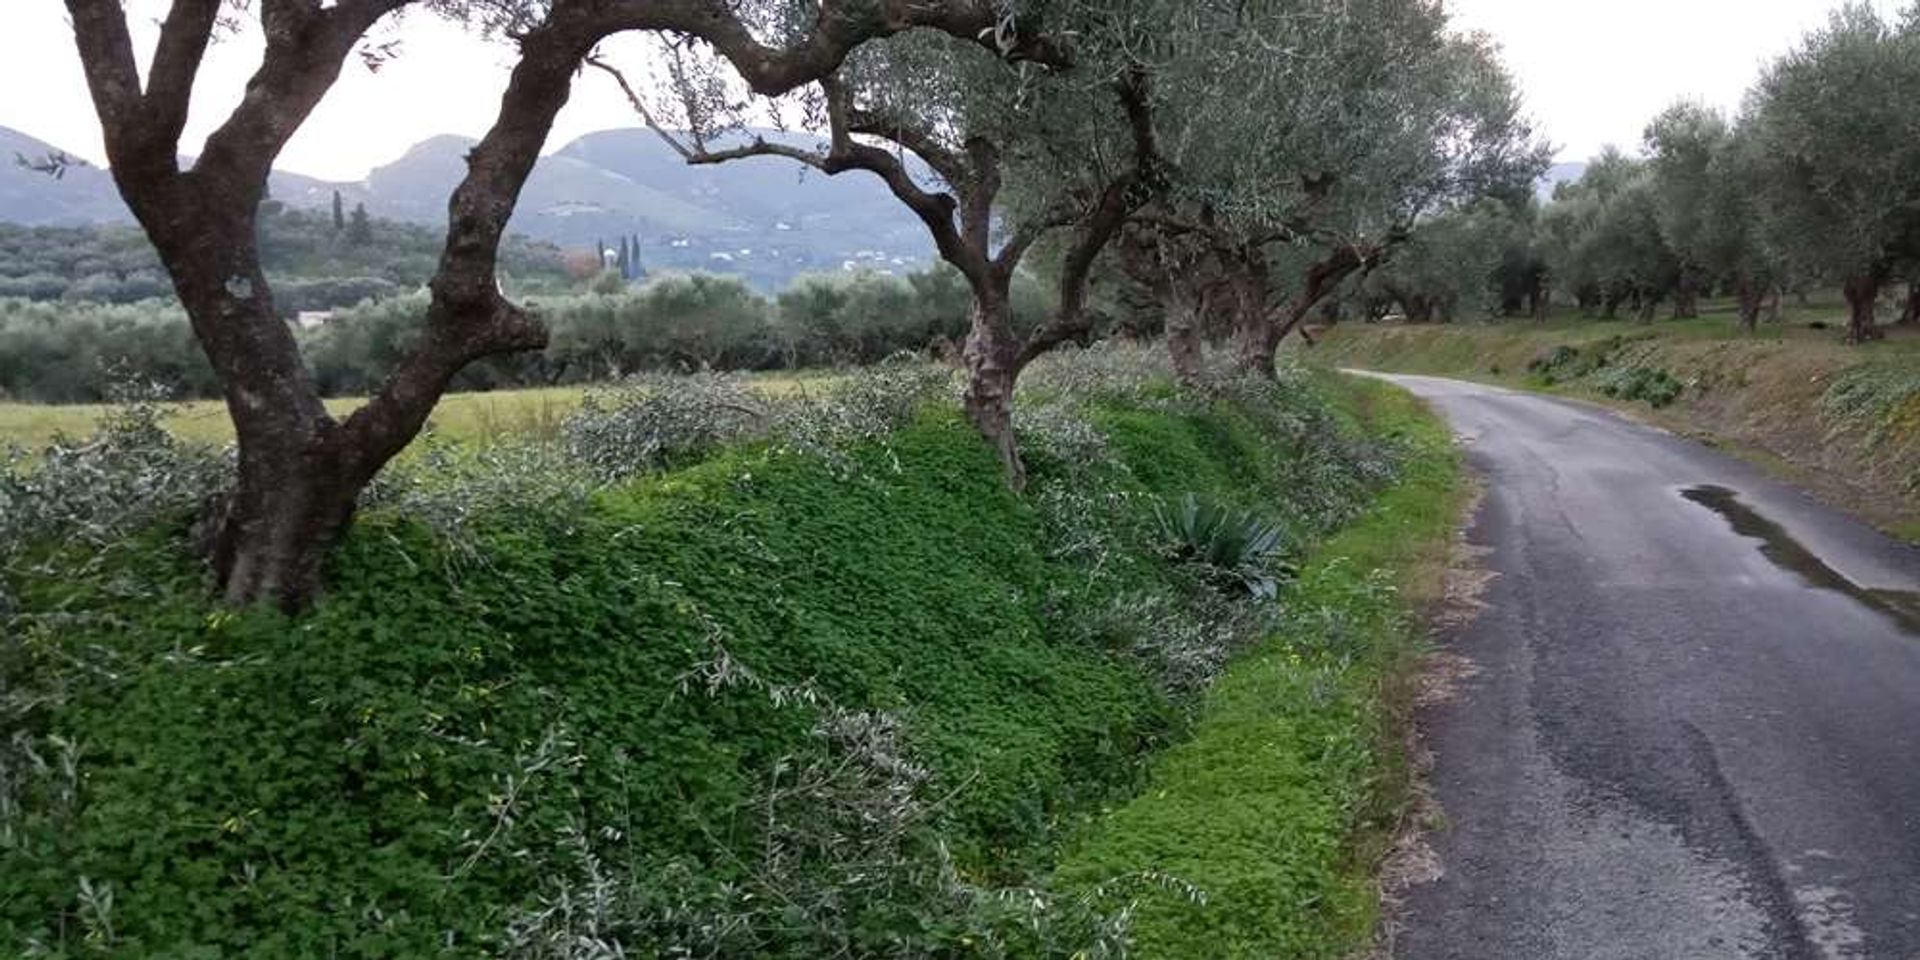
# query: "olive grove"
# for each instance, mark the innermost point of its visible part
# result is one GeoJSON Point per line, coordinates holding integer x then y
{"type": "Point", "coordinates": [1028, 138]}
{"type": "Point", "coordinates": [1348, 125]}
{"type": "Point", "coordinates": [1814, 183]}
{"type": "Point", "coordinates": [301, 469]}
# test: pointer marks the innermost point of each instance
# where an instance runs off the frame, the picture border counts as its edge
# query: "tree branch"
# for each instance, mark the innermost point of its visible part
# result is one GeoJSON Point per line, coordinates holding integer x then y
{"type": "Point", "coordinates": [176, 61]}
{"type": "Point", "coordinates": [306, 49]}
{"type": "Point", "coordinates": [915, 140]}
{"type": "Point", "coordinates": [1118, 200]}
{"type": "Point", "coordinates": [839, 27]}
{"type": "Point", "coordinates": [106, 55]}
{"type": "Point", "coordinates": [935, 209]}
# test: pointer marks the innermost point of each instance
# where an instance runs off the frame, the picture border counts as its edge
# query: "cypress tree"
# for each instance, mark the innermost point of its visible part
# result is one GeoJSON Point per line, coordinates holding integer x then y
{"type": "Point", "coordinates": [360, 227]}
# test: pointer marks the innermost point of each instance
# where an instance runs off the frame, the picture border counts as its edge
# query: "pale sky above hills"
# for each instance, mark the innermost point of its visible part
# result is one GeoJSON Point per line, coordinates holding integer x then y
{"type": "Point", "coordinates": [1594, 73]}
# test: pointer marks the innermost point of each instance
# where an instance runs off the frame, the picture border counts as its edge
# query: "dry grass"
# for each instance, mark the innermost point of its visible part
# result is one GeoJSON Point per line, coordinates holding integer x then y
{"type": "Point", "coordinates": [469, 417]}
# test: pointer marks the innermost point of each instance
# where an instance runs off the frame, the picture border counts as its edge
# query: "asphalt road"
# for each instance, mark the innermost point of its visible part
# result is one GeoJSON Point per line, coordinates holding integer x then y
{"type": "Point", "coordinates": [1695, 726]}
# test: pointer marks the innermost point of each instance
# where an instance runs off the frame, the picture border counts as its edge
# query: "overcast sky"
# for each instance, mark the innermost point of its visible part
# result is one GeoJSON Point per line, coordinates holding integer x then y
{"type": "Point", "coordinates": [1593, 72]}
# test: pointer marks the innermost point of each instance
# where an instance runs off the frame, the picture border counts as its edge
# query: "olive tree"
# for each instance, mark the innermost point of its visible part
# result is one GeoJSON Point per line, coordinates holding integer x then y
{"type": "Point", "coordinates": [1731, 245]}
{"type": "Point", "coordinates": [301, 469]}
{"type": "Point", "coordinates": [1347, 124]}
{"type": "Point", "coordinates": [1449, 262]}
{"type": "Point", "coordinates": [1682, 144]}
{"type": "Point", "coordinates": [1005, 150]}
{"type": "Point", "coordinates": [1605, 241]}
{"type": "Point", "coordinates": [1833, 125]}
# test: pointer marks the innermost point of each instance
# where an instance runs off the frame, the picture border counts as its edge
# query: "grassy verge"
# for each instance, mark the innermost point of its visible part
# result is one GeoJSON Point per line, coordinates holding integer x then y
{"type": "Point", "coordinates": [825, 689]}
{"type": "Point", "coordinates": [1279, 805]}
{"type": "Point", "coordinates": [1842, 422]}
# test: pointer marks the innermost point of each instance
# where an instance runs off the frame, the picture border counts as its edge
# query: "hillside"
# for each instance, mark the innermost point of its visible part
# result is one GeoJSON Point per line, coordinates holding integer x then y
{"type": "Point", "coordinates": [314, 264]}
{"type": "Point", "coordinates": [765, 219]}
{"type": "Point", "coordinates": [746, 217]}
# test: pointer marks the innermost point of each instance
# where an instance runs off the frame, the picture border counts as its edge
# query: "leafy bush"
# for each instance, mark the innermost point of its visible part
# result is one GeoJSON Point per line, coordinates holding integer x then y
{"type": "Point", "coordinates": [1877, 402]}
{"type": "Point", "coordinates": [92, 495]}
{"type": "Point", "coordinates": [1657, 387]}
{"type": "Point", "coordinates": [654, 422]}
{"type": "Point", "coordinates": [1562, 363]}
{"type": "Point", "coordinates": [1238, 545]}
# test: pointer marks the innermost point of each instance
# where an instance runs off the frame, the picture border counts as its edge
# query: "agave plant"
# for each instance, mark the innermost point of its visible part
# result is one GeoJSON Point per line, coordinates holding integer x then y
{"type": "Point", "coordinates": [1239, 546]}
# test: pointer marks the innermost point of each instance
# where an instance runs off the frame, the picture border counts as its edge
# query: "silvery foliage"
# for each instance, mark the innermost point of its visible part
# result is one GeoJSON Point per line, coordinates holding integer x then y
{"type": "Point", "coordinates": [656, 422]}
{"type": "Point", "coordinates": [1836, 175]}
{"type": "Point", "coordinates": [1107, 369]}
{"type": "Point", "coordinates": [844, 827]}
{"type": "Point", "coordinates": [457, 491]}
{"type": "Point", "coordinates": [861, 407]}
{"type": "Point", "coordinates": [1181, 632]}
{"type": "Point", "coordinates": [652, 422]}
{"type": "Point", "coordinates": [1347, 116]}
{"type": "Point", "coordinates": [1184, 631]}
{"type": "Point", "coordinates": [91, 494]}
{"type": "Point", "coordinates": [65, 513]}
{"type": "Point", "coordinates": [1185, 639]}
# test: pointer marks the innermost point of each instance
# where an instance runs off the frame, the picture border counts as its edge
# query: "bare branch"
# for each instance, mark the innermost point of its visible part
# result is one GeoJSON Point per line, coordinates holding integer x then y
{"type": "Point", "coordinates": [640, 107]}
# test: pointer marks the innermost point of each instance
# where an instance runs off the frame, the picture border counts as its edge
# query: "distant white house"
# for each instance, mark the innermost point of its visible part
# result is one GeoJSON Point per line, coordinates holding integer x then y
{"type": "Point", "coordinates": [309, 319]}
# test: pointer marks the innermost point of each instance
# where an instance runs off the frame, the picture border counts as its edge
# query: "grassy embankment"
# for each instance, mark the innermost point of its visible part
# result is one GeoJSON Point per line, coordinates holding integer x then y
{"type": "Point", "coordinates": [1843, 422]}
{"type": "Point", "coordinates": [1281, 803]}
{"type": "Point", "coordinates": [771, 704]}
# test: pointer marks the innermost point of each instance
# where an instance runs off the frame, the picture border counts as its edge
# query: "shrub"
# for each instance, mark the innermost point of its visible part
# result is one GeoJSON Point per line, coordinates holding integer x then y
{"type": "Point", "coordinates": [1239, 546]}
{"type": "Point", "coordinates": [654, 422]}
{"type": "Point", "coordinates": [1657, 387]}
{"type": "Point", "coordinates": [1878, 402]}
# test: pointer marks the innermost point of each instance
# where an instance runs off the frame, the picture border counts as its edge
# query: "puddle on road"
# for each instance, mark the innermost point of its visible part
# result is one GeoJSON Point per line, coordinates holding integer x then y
{"type": "Point", "coordinates": [1900, 606]}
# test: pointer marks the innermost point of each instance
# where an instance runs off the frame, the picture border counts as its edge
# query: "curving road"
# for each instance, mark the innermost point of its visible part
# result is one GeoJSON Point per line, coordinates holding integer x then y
{"type": "Point", "coordinates": [1694, 730]}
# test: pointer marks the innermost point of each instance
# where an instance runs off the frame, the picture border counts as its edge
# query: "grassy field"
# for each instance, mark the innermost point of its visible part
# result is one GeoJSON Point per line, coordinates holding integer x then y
{"type": "Point", "coordinates": [476, 417]}
{"type": "Point", "coordinates": [1841, 421]}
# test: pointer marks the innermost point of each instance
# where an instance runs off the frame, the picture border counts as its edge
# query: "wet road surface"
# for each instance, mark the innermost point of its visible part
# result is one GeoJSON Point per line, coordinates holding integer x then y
{"type": "Point", "coordinates": [1694, 729]}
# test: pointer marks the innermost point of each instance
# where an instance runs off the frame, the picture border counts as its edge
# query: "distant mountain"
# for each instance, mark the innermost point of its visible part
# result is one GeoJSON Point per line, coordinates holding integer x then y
{"type": "Point", "coordinates": [82, 195]}
{"type": "Point", "coordinates": [765, 218]}
{"type": "Point", "coordinates": [1558, 174]}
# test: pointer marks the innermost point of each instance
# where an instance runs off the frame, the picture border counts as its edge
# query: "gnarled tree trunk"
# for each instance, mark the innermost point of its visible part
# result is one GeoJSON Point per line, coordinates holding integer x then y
{"type": "Point", "coordinates": [1256, 332]}
{"type": "Point", "coordinates": [992, 358]}
{"type": "Point", "coordinates": [1862, 293]}
{"type": "Point", "coordinates": [1686, 295]}
{"type": "Point", "coordinates": [295, 496]}
{"type": "Point", "coordinates": [1184, 347]}
{"type": "Point", "coordinates": [1751, 298]}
